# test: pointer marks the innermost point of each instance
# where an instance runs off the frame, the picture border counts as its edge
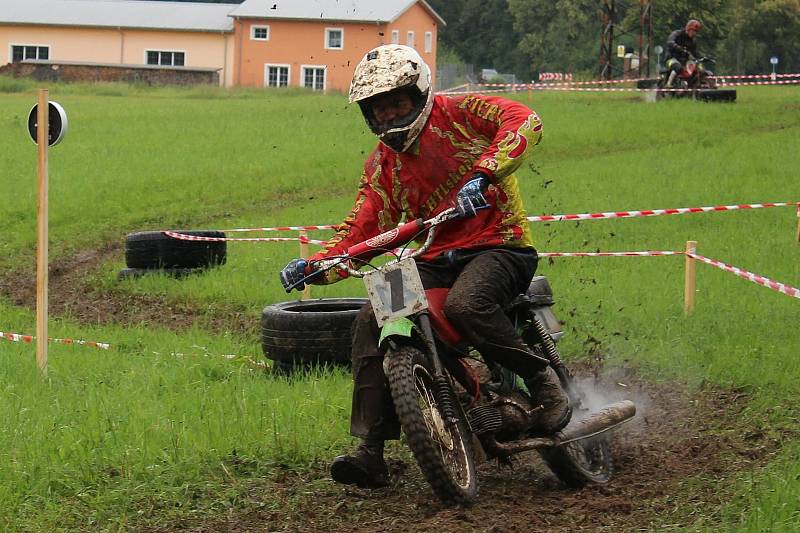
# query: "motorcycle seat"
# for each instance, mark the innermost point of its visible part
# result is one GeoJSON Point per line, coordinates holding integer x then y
{"type": "Point", "coordinates": [539, 291]}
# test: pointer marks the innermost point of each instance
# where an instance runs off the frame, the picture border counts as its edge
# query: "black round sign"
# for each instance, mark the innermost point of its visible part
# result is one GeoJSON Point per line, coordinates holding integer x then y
{"type": "Point", "coordinates": [57, 123]}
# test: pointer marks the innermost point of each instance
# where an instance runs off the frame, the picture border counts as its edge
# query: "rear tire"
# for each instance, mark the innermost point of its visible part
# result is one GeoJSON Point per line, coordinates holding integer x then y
{"type": "Point", "coordinates": [580, 462]}
{"type": "Point", "coordinates": [443, 451]}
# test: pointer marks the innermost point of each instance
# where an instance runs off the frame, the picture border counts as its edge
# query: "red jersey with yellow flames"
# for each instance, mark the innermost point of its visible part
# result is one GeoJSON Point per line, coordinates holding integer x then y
{"type": "Point", "coordinates": [464, 134]}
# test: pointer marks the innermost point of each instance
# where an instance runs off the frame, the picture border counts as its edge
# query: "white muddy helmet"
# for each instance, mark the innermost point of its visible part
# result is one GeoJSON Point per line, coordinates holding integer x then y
{"type": "Point", "coordinates": [386, 68]}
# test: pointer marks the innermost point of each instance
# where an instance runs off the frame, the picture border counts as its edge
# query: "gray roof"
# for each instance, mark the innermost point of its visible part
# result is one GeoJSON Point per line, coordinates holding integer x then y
{"type": "Point", "coordinates": [333, 10]}
{"type": "Point", "coordinates": [185, 16]}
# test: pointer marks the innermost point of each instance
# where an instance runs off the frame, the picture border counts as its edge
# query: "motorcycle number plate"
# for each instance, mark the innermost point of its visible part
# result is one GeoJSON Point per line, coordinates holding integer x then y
{"type": "Point", "coordinates": [395, 291]}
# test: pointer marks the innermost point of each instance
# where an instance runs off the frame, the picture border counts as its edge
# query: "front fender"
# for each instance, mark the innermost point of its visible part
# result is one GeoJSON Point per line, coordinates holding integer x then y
{"type": "Point", "coordinates": [397, 327]}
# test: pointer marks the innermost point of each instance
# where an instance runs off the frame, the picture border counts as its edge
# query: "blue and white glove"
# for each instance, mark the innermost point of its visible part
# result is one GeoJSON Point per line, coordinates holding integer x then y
{"type": "Point", "coordinates": [470, 198]}
{"type": "Point", "coordinates": [294, 273]}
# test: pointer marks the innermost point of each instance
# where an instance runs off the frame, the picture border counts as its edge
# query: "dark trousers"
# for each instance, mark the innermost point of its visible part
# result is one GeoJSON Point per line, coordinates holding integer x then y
{"type": "Point", "coordinates": [480, 283]}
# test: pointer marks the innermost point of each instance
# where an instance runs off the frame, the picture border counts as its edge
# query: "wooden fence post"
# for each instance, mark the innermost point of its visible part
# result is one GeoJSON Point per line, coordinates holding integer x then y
{"type": "Point", "coordinates": [42, 140]}
{"type": "Point", "coordinates": [689, 279]}
{"type": "Point", "coordinates": [306, 294]}
{"type": "Point", "coordinates": [798, 222]}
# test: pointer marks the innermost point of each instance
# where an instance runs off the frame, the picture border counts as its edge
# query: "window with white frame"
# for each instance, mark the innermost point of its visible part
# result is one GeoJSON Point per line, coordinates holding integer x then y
{"type": "Point", "coordinates": [410, 39]}
{"type": "Point", "coordinates": [428, 42]}
{"type": "Point", "coordinates": [395, 36]}
{"type": "Point", "coordinates": [259, 33]}
{"type": "Point", "coordinates": [21, 52]}
{"type": "Point", "coordinates": [276, 76]}
{"type": "Point", "coordinates": [313, 77]}
{"type": "Point", "coordinates": [334, 38]}
{"type": "Point", "coordinates": [166, 58]}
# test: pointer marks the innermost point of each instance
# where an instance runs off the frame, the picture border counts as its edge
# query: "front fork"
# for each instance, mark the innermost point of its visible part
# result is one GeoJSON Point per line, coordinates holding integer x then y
{"type": "Point", "coordinates": [449, 406]}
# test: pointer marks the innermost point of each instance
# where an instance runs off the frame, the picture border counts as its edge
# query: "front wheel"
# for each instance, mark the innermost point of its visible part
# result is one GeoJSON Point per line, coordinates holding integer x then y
{"type": "Point", "coordinates": [442, 448]}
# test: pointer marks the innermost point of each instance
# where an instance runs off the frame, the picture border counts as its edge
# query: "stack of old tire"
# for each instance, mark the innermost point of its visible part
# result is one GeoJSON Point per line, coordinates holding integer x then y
{"type": "Point", "coordinates": [305, 334]}
{"type": "Point", "coordinates": [154, 251]}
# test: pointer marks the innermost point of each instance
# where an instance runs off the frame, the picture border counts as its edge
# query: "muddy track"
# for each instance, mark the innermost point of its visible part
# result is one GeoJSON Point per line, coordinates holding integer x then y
{"type": "Point", "coordinates": [72, 294]}
{"type": "Point", "coordinates": [676, 435]}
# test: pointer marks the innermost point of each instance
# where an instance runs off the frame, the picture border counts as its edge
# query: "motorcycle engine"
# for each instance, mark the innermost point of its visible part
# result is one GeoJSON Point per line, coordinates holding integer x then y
{"type": "Point", "coordinates": [509, 416]}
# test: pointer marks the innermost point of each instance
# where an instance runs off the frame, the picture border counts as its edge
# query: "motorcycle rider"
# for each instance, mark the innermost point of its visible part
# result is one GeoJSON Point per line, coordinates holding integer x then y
{"type": "Point", "coordinates": [680, 47]}
{"type": "Point", "coordinates": [435, 152]}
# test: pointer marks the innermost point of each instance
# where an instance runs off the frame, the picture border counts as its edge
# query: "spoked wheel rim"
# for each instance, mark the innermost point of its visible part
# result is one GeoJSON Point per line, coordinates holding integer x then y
{"type": "Point", "coordinates": [591, 456]}
{"type": "Point", "coordinates": [446, 437]}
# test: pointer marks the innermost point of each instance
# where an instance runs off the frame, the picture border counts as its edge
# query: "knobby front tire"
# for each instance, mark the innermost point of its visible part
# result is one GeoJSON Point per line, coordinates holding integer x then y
{"type": "Point", "coordinates": [443, 451]}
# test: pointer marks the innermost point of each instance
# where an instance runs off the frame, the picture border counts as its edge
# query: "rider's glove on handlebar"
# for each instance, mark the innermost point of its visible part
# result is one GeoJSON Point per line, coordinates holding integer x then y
{"type": "Point", "coordinates": [292, 275]}
{"type": "Point", "coordinates": [470, 198]}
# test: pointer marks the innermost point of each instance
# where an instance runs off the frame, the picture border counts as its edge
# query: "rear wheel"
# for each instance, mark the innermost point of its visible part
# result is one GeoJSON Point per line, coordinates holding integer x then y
{"type": "Point", "coordinates": [580, 462]}
{"type": "Point", "coordinates": [442, 448]}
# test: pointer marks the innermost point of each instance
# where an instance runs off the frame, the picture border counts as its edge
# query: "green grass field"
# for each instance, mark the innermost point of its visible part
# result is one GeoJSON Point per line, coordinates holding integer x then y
{"type": "Point", "coordinates": [166, 425]}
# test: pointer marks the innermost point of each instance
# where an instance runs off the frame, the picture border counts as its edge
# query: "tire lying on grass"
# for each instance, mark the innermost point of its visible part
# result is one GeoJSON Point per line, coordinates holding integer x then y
{"type": "Point", "coordinates": [154, 250]}
{"type": "Point", "coordinates": [716, 95]}
{"type": "Point", "coordinates": [306, 333]}
{"type": "Point", "coordinates": [177, 273]}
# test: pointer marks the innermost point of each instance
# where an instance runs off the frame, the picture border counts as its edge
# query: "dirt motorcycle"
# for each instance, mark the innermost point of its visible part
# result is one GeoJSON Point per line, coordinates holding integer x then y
{"type": "Point", "coordinates": [455, 408]}
{"type": "Point", "coordinates": [696, 74]}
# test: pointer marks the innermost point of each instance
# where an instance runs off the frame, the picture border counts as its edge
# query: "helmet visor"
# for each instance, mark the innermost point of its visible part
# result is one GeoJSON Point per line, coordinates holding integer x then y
{"type": "Point", "coordinates": [393, 112]}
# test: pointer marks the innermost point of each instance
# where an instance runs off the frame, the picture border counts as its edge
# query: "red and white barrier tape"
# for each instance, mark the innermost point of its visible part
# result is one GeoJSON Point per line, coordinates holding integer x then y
{"type": "Point", "coordinates": [185, 237]}
{"type": "Point", "coordinates": [755, 278]}
{"type": "Point", "coordinates": [525, 86]}
{"type": "Point", "coordinates": [609, 254]}
{"type": "Point", "coordinates": [754, 76]}
{"type": "Point", "coordinates": [781, 287]}
{"type": "Point", "coordinates": [16, 337]}
{"type": "Point", "coordinates": [29, 339]}
{"type": "Point", "coordinates": [655, 212]}
{"type": "Point", "coordinates": [282, 228]}
{"type": "Point", "coordinates": [538, 218]}
{"type": "Point", "coordinates": [775, 82]}
{"type": "Point", "coordinates": [554, 87]}
{"type": "Point", "coordinates": [530, 86]}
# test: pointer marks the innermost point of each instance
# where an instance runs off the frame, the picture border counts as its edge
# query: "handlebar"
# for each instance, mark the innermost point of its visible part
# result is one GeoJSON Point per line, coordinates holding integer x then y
{"type": "Point", "coordinates": [391, 239]}
{"type": "Point", "coordinates": [398, 236]}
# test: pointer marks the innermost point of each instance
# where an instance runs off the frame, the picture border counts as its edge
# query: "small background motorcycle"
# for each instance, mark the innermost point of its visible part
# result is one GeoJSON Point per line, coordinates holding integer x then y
{"type": "Point", "coordinates": [456, 409]}
{"type": "Point", "coordinates": [696, 74]}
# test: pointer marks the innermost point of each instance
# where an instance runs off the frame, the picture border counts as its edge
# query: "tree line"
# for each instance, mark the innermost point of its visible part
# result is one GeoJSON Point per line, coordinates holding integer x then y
{"type": "Point", "coordinates": [524, 37]}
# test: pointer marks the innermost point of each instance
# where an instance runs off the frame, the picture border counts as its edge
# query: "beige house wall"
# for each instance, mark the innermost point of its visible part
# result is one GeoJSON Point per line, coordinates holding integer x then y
{"type": "Point", "coordinates": [240, 59]}
{"type": "Point", "coordinates": [302, 43]}
{"type": "Point", "coordinates": [420, 21]}
{"type": "Point", "coordinates": [123, 46]}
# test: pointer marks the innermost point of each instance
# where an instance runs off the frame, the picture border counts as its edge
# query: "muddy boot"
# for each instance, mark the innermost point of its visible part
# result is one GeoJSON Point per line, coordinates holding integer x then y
{"type": "Point", "coordinates": [671, 79]}
{"type": "Point", "coordinates": [546, 390]}
{"type": "Point", "coordinates": [364, 467]}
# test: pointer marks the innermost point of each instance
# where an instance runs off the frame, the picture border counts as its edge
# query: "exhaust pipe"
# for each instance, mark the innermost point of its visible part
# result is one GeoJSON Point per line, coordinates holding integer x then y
{"type": "Point", "coordinates": [606, 418]}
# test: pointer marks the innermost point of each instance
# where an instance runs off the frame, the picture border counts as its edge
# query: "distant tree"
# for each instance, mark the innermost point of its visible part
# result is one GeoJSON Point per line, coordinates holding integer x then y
{"type": "Point", "coordinates": [759, 29]}
{"type": "Point", "coordinates": [559, 35]}
{"type": "Point", "coordinates": [481, 33]}
{"type": "Point", "coordinates": [528, 36]}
